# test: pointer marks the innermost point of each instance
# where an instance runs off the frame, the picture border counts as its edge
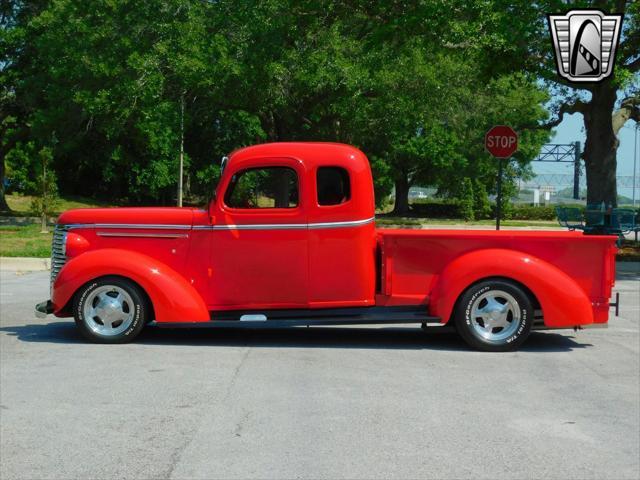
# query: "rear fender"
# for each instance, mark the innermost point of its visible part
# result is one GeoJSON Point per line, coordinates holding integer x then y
{"type": "Point", "coordinates": [563, 302]}
{"type": "Point", "coordinates": [173, 298]}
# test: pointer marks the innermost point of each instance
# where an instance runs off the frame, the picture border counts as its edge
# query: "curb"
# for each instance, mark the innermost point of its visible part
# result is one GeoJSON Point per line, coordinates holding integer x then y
{"type": "Point", "coordinates": [24, 264]}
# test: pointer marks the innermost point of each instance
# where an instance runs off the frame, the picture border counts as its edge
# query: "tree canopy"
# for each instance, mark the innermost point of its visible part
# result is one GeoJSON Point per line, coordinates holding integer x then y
{"type": "Point", "coordinates": [100, 85]}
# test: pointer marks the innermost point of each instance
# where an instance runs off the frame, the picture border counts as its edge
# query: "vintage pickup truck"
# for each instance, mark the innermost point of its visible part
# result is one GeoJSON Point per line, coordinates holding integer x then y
{"type": "Point", "coordinates": [290, 239]}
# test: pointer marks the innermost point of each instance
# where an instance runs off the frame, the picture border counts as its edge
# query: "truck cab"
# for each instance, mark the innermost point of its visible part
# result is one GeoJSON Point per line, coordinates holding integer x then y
{"type": "Point", "coordinates": [290, 239]}
{"type": "Point", "coordinates": [293, 227]}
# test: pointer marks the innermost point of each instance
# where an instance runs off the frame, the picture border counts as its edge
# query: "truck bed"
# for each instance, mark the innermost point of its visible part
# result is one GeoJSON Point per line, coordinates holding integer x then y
{"type": "Point", "coordinates": [412, 261]}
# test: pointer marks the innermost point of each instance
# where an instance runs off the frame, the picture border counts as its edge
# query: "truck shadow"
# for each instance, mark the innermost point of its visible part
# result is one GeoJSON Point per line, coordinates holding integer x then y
{"type": "Point", "coordinates": [392, 338]}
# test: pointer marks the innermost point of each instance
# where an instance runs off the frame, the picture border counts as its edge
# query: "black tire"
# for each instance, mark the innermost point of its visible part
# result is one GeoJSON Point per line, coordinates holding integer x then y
{"type": "Point", "coordinates": [134, 308]}
{"type": "Point", "coordinates": [486, 299]}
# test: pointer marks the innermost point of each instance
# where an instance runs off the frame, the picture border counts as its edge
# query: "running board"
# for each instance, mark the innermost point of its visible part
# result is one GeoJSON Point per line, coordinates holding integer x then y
{"type": "Point", "coordinates": [321, 317]}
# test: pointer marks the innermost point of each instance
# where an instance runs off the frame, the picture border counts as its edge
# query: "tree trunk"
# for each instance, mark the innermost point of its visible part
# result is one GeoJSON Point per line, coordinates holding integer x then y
{"type": "Point", "coordinates": [401, 206]}
{"type": "Point", "coordinates": [4, 207]}
{"type": "Point", "coordinates": [601, 146]}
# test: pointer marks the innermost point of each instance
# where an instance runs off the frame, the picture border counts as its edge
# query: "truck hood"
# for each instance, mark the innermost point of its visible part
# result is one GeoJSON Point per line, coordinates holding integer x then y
{"type": "Point", "coordinates": [129, 216]}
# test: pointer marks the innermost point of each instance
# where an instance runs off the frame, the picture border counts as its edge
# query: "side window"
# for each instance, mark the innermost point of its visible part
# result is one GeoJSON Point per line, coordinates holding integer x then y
{"type": "Point", "coordinates": [267, 187]}
{"type": "Point", "coordinates": [333, 186]}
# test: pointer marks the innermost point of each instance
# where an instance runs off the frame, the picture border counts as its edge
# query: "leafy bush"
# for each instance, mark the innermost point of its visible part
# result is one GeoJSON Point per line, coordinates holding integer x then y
{"type": "Point", "coordinates": [436, 209]}
{"type": "Point", "coordinates": [481, 204]}
{"type": "Point", "coordinates": [529, 212]}
{"type": "Point", "coordinates": [466, 200]}
{"type": "Point", "coordinates": [459, 209]}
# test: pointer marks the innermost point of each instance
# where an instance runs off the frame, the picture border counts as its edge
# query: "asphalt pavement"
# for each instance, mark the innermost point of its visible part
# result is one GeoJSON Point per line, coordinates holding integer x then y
{"type": "Point", "coordinates": [314, 403]}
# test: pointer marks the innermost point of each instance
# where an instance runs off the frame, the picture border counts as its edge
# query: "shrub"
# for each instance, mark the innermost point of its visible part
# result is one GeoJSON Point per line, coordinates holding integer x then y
{"type": "Point", "coordinates": [459, 209]}
{"type": "Point", "coordinates": [529, 212]}
{"type": "Point", "coordinates": [481, 204]}
{"type": "Point", "coordinates": [436, 209]}
{"type": "Point", "coordinates": [465, 201]}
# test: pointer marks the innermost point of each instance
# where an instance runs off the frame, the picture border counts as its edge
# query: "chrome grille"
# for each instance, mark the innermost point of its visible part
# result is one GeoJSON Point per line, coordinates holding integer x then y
{"type": "Point", "coordinates": [58, 250]}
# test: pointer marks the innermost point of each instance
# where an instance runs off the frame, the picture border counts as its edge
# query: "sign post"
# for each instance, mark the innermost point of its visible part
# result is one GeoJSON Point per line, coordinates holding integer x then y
{"type": "Point", "coordinates": [499, 196]}
{"type": "Point", "coordinates": [501, 142]}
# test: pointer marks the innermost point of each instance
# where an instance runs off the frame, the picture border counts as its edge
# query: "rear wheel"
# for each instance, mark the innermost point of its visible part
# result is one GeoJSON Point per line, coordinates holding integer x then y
{"type": "Point", "coordinates": [494, 315]}
{"type": "Point", "coordinates": [110, 310]}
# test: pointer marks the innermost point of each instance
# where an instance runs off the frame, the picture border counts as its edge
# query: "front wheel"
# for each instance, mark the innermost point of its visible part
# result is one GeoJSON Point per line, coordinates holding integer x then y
{"type": "Point", "coordinates": [494, 316]}
{"type": "Point", "coordinates": [110, 310]}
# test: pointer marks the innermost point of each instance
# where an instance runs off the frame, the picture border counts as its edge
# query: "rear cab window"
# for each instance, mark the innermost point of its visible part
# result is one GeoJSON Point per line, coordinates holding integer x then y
{"type": "Point", "coordinates": [333, 186]}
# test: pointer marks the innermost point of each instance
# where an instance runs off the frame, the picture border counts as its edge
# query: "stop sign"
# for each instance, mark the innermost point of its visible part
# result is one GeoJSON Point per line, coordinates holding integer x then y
{"type": "Point", "coordinates": [501, 141]}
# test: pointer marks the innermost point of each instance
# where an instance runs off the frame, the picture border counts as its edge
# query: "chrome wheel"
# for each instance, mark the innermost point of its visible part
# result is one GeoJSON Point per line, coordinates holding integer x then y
{"type": "Point", "coordinates": [108, 310]}
{"type": "Point", "coordinates": [495, 315]}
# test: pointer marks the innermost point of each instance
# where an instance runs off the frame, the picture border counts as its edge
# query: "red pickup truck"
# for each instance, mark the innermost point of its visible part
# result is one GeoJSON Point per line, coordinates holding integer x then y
{"type": "Point", "coordinates": [290, 239]}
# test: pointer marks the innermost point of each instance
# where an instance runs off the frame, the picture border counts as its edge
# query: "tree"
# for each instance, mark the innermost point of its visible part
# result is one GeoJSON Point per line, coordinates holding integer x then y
{"type": "Point", "coordinates": [108, 78]}
{"type": "Point", "coordinates": [45, 202]}
{"type": "Point", "coordinates": [414, 84]}
{"type": "Point", "coordinates": [466, 199]}
{"type": "Point", "coordinates": [429, 96]}
{"type": "Point", "coordinates": [605, 106]}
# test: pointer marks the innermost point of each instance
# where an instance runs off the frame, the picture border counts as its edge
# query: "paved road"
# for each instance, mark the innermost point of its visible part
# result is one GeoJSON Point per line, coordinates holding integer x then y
{"type": "Point", "coordinates": [355, 403]}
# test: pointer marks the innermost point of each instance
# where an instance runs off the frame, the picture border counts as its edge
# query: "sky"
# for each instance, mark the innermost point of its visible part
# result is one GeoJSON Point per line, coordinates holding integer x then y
{"type": "Point", "coordinates": [572, 129]}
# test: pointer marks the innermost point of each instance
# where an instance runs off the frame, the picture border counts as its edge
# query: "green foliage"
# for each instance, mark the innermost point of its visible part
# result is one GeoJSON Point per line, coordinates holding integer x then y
{"type": "Point", "coordinates": [414, 84]}
{"type": "Point", "coordinates": [22, 168]}
{"type": "Point", "coordinates": [466, 199]}
{"type": "Point", "coordinates": [437, 209]}
{"type": "Point", "coordinates": [46, 202]}
{"type": "Point", "coordinates": [382, 180]}
{"type": "Point", "coordinates": [528, 212]}
{"type": "Point", "coordinates": [458, 209]}
{"type": "Point", "coordinates": [481, 204]}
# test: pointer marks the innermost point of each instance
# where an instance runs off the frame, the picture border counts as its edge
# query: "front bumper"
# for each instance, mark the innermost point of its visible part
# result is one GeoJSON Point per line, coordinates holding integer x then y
{"type": "Point", "coordinates": [43, 309]}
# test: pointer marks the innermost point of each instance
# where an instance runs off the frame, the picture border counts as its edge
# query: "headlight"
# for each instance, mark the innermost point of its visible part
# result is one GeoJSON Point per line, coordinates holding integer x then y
{"type": "Point", "coordinates": [75, 244]}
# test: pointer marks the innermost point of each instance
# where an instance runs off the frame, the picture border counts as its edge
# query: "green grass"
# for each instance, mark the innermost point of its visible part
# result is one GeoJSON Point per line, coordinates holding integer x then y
{"type": "Point", "coordinates": [21, 204]}
{"type": "Point", "coordinates": [25, 241]}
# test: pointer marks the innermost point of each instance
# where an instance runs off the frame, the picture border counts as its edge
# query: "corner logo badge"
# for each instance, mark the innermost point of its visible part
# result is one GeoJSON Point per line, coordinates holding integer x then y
{"type": "Point", "coordinates": [585, 43]}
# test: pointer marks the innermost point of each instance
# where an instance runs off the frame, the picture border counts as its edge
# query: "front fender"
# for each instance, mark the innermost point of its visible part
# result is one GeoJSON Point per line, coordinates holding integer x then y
{"type": "Point", "coordinates": [173, 298]}
{"type": "Point", "coordinates": [563, 302]}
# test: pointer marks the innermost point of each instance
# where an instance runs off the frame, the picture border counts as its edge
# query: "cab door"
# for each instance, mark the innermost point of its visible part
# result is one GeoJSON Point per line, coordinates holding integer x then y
{"type": "Point", "coordinates": [260, 237]}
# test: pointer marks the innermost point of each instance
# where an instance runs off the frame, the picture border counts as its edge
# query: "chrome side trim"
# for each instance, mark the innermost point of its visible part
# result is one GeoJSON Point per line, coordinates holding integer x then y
{"type": "Point", "coordinates": [141, 226]}
{"type": "Point", "coordinates": [143, 235]}
{"type": "Point", "coordinates": [355, 223]}
{"type": "Point", "coordinates": [263, 226]}
{"type": "Point", "coordinates": [287, 226]}
{"type": "Point", "coordinates": [266, 226]}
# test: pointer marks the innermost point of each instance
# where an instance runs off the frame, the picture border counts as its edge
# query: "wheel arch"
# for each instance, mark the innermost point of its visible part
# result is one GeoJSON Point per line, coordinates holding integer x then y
{"type": "Point", "coordinates": [67, 309]}
{"type": "Point", "coordinates": [558, 295]}
{"type": "Point", "coordinates": [171, 297]}
{"type": "Point", "coordinates": [532, 296]}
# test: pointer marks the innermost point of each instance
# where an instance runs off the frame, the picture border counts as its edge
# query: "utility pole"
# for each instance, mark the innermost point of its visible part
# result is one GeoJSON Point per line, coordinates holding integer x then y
{"type": "Point", "coordinates": [635, 161]}
{"type": "Point", "coordinates": [43, 219]}
{"type": "Point", "coordinates": [181, 150]}
{"type": "Point", "coordinates": [576, 171]}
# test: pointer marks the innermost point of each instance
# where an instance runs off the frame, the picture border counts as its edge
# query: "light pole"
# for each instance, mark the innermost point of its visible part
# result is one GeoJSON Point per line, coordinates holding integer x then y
{"type": "Point", "coordinates": [635, 161]}
{"type": "Point", "coordinates": [181, 162]}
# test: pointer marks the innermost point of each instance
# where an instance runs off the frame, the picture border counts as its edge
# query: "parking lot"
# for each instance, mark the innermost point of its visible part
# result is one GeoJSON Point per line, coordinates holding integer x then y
{"type": "Point", "coordinates": [317, 402]}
